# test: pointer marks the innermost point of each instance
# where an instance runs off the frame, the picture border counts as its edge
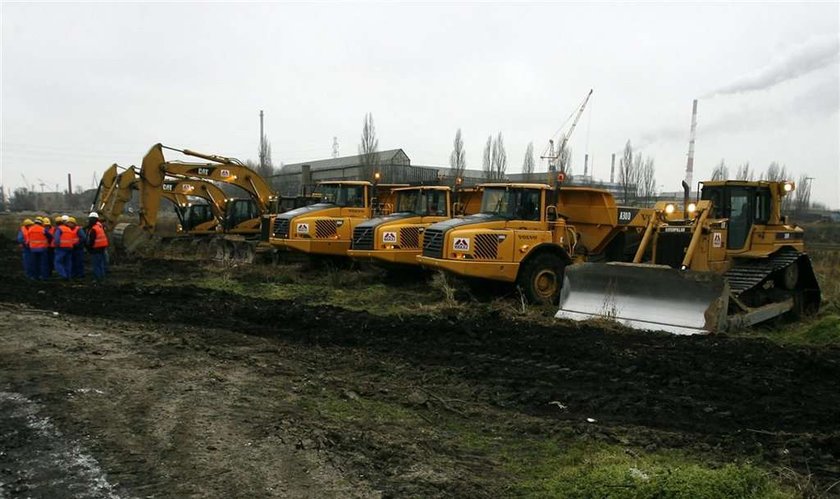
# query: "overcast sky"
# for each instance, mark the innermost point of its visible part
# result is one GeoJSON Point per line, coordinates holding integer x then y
{"type": "Point", "coordinates": [87, 85]}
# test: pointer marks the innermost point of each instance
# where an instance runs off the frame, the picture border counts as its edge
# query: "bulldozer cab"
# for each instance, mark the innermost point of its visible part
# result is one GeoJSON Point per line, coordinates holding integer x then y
{"type": "Point", "coordinates": [743, 205]}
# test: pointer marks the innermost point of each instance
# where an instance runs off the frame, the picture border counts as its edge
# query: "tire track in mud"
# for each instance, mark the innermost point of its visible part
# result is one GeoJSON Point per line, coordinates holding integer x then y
{"type": "Point", "coordinates": [38, 461]}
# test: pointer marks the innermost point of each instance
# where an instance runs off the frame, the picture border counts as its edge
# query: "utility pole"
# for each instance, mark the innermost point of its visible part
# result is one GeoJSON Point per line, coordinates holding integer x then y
{"type": "Point", "coordinates": [262, 143]}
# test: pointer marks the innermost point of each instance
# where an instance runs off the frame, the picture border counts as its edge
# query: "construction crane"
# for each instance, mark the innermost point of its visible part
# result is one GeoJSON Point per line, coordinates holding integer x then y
{"type": "Point", "coordinates": [554, 155]}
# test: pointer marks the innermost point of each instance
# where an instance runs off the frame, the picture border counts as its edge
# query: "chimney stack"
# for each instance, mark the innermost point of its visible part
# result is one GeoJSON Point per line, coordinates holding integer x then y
{"type": "Point", "coordinates": [612, 169]}
{"type": "Point", "coordinates": [585, 166]}
{"type": "Point", "coordinates": [689, 167]}
{"type": "Point", "coordinates": [69, 185]}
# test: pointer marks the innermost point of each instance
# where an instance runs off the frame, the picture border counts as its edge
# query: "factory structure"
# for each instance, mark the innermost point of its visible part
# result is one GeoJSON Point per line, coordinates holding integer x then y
{"type": "Point", "coordinates": [394, 167]}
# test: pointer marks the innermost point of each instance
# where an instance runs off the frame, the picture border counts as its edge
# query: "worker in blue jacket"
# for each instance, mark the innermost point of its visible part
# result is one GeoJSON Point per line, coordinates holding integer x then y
{"type": "Point", "coordinates": [77, 264]}
{"type": "Point", "coordinates": [39, 243]}
{"type": "Point", "coordinates": [66, 238]}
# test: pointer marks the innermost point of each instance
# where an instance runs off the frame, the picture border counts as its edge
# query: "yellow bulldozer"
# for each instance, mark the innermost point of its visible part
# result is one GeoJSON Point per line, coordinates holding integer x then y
{"type": "Point", "coordinates": [394, 240]}
{"type": "Point", "coordinates": [726, 261]}
{"type": "Point", "coordinates": [529, 233]}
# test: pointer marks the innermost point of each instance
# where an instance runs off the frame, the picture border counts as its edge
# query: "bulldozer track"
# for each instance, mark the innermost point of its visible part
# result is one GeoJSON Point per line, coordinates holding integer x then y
{"type": "Point", "coordinates": [748, 274]}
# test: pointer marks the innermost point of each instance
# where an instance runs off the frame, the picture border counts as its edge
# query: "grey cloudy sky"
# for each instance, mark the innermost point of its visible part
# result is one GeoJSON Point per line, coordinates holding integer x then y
{"type": "Point", "coordinates": [86, 85]}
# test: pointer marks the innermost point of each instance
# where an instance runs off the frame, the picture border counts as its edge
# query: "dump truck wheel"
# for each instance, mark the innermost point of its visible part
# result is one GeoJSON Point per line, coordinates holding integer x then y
{"type": "Point", "coordinates": [541, 279]}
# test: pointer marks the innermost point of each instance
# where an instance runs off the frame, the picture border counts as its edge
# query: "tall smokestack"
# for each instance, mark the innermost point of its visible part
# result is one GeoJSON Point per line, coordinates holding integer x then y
{"type": "Point", "coordinates": [69, 184]}
{"type": "Point", "coordinates": [689, 166]}
{"type": "Point", "coordinates": [612, 169]}
{"type": "Point", "coordinates": [585, 166]}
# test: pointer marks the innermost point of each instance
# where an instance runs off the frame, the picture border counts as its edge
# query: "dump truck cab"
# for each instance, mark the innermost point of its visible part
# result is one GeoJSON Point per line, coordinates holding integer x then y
{"type": "Point", "coordinates": [394, 239]}
{"type": "Point", "coordinates": [728, 260]}
{"type": "Point", "coordinates": [326, 227]}
{"type": "Point", "coordinates": [528, 233]}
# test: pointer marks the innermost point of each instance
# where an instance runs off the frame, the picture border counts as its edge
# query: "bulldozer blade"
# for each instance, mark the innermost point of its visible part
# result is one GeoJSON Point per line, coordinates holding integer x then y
{"type": "Point", "coordinates": [643, 296]}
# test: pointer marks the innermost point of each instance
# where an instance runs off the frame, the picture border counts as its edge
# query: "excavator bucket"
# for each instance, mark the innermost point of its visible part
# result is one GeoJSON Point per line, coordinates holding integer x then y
{"type": "Point", "coordinates": [643, 296]}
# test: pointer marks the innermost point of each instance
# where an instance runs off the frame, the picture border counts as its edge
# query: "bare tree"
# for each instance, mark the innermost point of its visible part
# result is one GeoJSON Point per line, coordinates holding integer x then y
{"type": "Point", "coordinates": [626, 175]}
{"type": "Point", "coordinates": [528, 162]}
{"type": "Point", "coordinates": [458, 158]}
{"type": "Point", "coordinates": [563, 158]}
{"type": "Point", "coordinates": [802, 195]}
{"type": "Point", "coordinates": [265, 168]}
{"type": "Point", "coordinates": [721, 171]}
{"type": "Point", "coordinates": [23, 199]}
{"type": "Point", "coordinates": [498, 162]}
{"type": "Point", "coordinates": [776, 172]}
{"type": "Point", "coordinates": [486, 164]}
{"type": "Point", "coordinates": [744, 172]}
{"type": "Point", "coordinates": [648, 181]}
{"type": "Point", "coordinates": [368, 148]}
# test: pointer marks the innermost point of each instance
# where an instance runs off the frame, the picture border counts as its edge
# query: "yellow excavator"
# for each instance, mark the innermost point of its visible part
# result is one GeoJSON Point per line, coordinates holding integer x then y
{"type": "Point", "coordinates": [195, 219]}
{"type": "Point", "coordinates": [529, 233]}
{"type": "Point", "coordinates": [726, 261]}
{"type": "Point", "coordinates": [242, 216]}
{"type": "Point", "coordinates": [326, 227]}
{"type": "Point", "coordinates": [239, 219]}
{"type": "Point", "coordinates": [115, 191]}
{"type": "Point", "coordinates": [394, 240]}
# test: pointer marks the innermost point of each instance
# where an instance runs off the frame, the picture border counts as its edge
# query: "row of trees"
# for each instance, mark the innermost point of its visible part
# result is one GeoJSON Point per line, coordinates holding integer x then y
{"type": "Point", "coordinates": [494, 161]}
{"type": "Point", "coordinates": [636, 177]}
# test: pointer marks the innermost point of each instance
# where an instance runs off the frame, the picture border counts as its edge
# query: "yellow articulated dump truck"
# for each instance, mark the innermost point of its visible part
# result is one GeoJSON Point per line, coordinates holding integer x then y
{"type": "Point", "coordinates": [528, 233]}
{"type": "Point", "coordinates": [729, 260]}
{"type": "Point", "coordinates": [326, 227]}
{"type": "Point", "coordinates": [394, 239]}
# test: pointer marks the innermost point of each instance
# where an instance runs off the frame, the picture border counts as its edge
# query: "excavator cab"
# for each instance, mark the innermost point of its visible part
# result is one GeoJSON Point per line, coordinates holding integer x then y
{"type": "Point", "coordinates": [193, 215]}
{"type": "Point", "coordinates": [238, 211]}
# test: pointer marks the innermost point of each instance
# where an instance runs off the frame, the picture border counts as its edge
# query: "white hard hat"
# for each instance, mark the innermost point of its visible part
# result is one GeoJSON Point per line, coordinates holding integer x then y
{"type": "Point", "coordinates": [65, 218]}
{"type": "Point", "coordinates": [93, 214]}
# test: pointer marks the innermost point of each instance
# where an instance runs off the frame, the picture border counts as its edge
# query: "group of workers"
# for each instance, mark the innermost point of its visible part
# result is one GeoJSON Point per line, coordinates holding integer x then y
{"type": "Point", "coordinates": [59, 245]}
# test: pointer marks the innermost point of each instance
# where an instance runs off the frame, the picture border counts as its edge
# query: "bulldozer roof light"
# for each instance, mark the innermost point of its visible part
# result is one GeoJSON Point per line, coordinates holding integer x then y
{"type": "Point", "coordinates": [787, 186]}
{"type": "Point", "coordinates": [669, 208]}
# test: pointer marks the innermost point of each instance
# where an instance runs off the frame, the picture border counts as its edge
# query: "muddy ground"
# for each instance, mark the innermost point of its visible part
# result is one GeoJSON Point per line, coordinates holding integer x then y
{"type": "Point", "coordinates": [172, 391]}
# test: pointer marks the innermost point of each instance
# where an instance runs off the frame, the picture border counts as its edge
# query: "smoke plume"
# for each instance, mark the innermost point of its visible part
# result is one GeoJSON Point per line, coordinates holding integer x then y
{"type": "Point", "coordinates": [802, 59]}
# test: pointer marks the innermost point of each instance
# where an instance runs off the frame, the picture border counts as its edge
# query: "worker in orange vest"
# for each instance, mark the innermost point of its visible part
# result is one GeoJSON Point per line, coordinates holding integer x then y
{"type": "Point", "coordinates": [97, 243]}
{"type": "Point", "coordinates": [39, 243]}
{"type": "Point", "coordinates": [51, 248]}
{"type": "Point", "coordinates": [66, 238]}
{"type": "Point", "coordinates": [77, 263]}
{"type": "Point", "coordinates": [23, 240]}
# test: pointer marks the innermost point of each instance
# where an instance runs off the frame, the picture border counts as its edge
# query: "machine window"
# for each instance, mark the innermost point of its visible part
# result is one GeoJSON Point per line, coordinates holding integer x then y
{"type": "Point", "coordinates": [346, 196]}
{"type": "Point", "coordinates": [514, 204]}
